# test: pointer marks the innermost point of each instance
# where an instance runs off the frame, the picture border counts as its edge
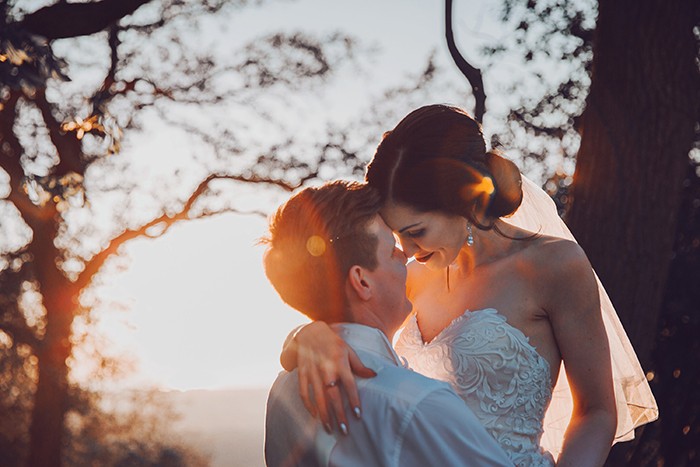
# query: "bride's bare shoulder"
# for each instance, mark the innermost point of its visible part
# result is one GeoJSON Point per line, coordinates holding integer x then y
{"type": "Point", "coordinates": [554, 256]}
{"type": "Point", "coordinates": [561, 263]}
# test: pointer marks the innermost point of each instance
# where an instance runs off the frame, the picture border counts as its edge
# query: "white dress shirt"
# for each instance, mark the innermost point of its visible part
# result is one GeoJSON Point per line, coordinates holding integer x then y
{"type": "Point", "coordinates": [407, 419]}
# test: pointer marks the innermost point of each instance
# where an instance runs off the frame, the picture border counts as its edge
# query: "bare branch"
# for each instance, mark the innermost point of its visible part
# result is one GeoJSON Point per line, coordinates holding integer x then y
{"type": "Point", "coordinates": [12, 152]}
{"type": "Point", "coordinates": [106, 91]}
{"type": "Point", "coordinates": [524, 118]}
{"type": "Point", "coordinates": [62, 20]}
{"type": "Point", "coordinates": [472, 74]}
{"type": "Point", "coordinates": [12, 321]}
{"type": "Point", "coordinates": [67, 145]}
{"type": "Point", "coordinates": [21, 333]}
{"type": "Point", "coordinates": [206, 214]}
{"type": "Point", "coordinates": [166, 221]}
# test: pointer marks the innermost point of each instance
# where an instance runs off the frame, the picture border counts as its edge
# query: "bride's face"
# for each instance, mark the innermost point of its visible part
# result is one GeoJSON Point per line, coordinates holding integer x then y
{"type": "Point", "coordinates": [433, 238]}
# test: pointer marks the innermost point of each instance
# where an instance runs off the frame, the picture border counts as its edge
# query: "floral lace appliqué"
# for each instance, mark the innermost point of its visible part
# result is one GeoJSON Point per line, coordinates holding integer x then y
{"type": "Point", "coordinates": [500, 376]}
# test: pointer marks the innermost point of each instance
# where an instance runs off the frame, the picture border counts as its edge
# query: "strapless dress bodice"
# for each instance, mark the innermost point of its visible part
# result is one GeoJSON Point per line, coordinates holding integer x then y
{"type": "Point", "coordinates": [500, 376]}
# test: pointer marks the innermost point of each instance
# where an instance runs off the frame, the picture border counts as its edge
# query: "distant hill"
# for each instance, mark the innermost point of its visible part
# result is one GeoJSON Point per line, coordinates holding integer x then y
{"type": "Point", "coordinates": [225, 424]}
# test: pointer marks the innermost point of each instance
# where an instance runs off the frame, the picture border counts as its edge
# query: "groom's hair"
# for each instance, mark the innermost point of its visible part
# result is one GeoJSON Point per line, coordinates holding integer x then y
{"type": "Point", "coordinates": [314, 240]}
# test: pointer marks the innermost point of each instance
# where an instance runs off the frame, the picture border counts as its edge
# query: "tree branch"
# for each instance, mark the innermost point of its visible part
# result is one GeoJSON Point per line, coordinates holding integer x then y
{"type": "Point", "coordinates": [21, 333]}
{"type": "Point", "coordinates": [10, 161]}
{"type": "Point", "coordinates": [105, 92]}
{"type": "Point", "coordinates": [166, 221]}
{"type": "Point", "coordinates": [472, 74]}
{"type": "Point", "coordinates": [62, 20]}
{"type": "Point", "coordinates": [206, 214]}
{"type": "Point", "coordinates": [67, 145]}
{"type": "Point", "coordinates": [12, 321]}
{"type": "Point", "coordinates": [521, 115]}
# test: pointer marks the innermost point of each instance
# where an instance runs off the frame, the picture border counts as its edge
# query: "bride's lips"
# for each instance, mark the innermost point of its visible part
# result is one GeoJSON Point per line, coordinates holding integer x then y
{"type": "Point", "coordinates": [423, 259]}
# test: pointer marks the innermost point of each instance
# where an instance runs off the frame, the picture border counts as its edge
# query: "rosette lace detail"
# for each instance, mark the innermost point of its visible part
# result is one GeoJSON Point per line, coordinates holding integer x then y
{"type": "Point", "coordinates": [500, 376]}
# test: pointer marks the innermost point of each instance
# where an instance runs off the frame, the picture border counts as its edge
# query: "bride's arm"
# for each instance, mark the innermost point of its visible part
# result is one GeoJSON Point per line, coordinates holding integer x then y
{"type": "Point", "coordinates": [573, 308]}
{"type": "Point", "coordinates": [320, 357]}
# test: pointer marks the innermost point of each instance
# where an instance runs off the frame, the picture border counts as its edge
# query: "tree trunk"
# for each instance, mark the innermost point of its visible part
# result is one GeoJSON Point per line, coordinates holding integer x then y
{"type": "Point", "coordinates": [46, 433]}
{"type": "Point", "coordinates": [637, 131]}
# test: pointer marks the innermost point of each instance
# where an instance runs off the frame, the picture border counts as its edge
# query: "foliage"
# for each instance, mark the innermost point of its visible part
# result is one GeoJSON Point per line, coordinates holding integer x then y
{"type": "Point", "coordinates": [125, 431]}
{"type": "Point", "coordinates": [551, 43]}
{"type": "Point", "coordinates": [17, 376]}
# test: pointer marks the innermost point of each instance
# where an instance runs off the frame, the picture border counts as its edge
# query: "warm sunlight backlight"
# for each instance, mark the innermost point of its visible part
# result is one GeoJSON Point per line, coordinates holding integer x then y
{"type": "Point", "coordinates": [196, 308]}
{"type": "Point", "coordinates": [81, 126]}
{"type": "Point", "coordinates": [485, 186]}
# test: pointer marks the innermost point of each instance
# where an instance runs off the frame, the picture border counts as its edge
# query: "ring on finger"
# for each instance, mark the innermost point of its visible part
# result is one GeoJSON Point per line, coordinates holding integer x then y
{"type": "Point", "coordinates": [332, 384]}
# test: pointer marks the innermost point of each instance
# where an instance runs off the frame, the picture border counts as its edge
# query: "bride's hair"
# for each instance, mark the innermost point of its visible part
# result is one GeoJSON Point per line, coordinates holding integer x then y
{"type": "Point", "coordinates": [314, 239]}
{"type": "Point", "coordinates": [436, 160]}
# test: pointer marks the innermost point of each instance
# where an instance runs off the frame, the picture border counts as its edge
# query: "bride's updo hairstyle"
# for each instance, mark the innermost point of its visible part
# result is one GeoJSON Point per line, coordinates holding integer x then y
{"type": "Point", "coordinates": [436, 160]}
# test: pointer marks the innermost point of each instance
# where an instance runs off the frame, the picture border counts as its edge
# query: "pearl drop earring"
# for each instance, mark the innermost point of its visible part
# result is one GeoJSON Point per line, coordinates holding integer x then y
{"type": "Point", "coordinates": [470, 235]}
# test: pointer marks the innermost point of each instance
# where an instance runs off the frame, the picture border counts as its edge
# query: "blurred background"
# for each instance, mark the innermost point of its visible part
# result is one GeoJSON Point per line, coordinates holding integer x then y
{"type": "Point", "coordinates": [144, 143]}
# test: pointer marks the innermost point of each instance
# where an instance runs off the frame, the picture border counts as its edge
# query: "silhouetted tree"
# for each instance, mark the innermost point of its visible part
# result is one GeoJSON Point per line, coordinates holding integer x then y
{"type": "Point", "coordinates": [130, 433]}
{"type": "Point", "coordinates": [69, 203]}
{"type": "Point", "coordinates": [637, 131]}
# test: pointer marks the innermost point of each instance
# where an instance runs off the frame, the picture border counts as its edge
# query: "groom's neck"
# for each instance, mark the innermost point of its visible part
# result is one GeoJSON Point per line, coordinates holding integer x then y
{"type": "Point", "coordinates": [373, 319]}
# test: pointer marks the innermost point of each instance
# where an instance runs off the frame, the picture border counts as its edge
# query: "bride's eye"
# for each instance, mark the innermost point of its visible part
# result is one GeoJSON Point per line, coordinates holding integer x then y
{"type": "Point", "coordinates": [416, 233]}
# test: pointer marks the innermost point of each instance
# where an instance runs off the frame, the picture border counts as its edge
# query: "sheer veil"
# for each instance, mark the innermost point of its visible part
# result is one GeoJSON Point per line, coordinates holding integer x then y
{"type": "Point", "coordinates": [635, 402]}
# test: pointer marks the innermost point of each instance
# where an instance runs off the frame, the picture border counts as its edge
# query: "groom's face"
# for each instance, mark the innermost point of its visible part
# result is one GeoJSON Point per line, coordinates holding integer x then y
{"type": "Point", "coordinates": [390, 273]}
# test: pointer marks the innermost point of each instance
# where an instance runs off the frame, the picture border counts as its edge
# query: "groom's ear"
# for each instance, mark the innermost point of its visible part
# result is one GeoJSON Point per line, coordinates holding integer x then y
{"type": "Point", "coordinates": [359, 282]}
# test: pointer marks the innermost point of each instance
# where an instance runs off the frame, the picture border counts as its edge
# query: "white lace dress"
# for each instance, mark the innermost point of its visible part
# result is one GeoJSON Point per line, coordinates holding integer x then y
{"type": "Point", "coordinates": [500, 376]}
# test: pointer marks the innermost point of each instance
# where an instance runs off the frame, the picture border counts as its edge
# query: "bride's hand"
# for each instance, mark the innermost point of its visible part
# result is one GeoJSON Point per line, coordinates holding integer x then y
{"type": "Point", "coordinates": [325, 367]}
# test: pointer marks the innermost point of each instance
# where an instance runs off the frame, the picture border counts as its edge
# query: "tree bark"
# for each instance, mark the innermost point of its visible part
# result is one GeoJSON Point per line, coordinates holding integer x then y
{"type": "Point", "coordinates": [46, 432]}
{"type": "Point", "coordinates": [62, 20]}
{"type": "Point", "coordinates": [472, 74]}
{"type": "Point", "coordinates": [637, 131]}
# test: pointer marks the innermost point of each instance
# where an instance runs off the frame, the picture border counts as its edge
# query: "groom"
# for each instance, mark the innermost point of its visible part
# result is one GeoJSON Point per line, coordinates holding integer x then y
{"type": "Point", "coordinates": [332, 257]}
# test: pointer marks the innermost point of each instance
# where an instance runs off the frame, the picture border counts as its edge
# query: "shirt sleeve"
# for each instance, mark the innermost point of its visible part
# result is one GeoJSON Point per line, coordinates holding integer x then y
{"type": "Point", "coordinates": [444, 431]}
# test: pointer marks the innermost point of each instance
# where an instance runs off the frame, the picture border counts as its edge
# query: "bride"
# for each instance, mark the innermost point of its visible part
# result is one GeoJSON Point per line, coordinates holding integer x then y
{"type": "Point", "coordinates": [504, 301]}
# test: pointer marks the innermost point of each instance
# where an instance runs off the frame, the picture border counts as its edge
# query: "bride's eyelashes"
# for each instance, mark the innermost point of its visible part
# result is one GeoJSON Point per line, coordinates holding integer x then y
{"type": "Point", "coordinates": [416, 233]}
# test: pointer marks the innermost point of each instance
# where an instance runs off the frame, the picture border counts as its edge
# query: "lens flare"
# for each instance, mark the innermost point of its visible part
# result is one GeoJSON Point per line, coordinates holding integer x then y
{"type": "Point", "coordinates": [315, 245]}
{"type": "Point", "coordinates": [481, 190]}
{"type": "Point", "coordinates": [485, 186]}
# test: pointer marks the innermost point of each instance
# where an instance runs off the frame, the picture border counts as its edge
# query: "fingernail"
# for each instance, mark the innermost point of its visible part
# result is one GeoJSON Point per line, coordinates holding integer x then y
{"type": "Point", "coordinates": [327, 426]}
{"type": "Point", "coordinates": [344, 428]}
{"type": "Point", "coordinates": [358, 412]}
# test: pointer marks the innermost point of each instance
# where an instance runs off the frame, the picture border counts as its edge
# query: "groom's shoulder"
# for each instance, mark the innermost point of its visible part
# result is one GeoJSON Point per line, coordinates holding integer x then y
{"type": "Point", "coordinates": [287, 382]}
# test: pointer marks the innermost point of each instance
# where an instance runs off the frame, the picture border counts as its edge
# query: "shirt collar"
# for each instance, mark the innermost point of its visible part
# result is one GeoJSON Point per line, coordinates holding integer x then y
{"type": "Point", "coordinates": [368, 339]}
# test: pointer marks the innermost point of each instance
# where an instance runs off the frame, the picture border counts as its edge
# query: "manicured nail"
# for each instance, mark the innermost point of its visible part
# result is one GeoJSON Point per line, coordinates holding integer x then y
{"type": "Point", "coordinates": [327, 426]}
{"type": "Point", "coordinates": [358, 412]}
{"type": "Point", "coordinates": [344, 428]}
